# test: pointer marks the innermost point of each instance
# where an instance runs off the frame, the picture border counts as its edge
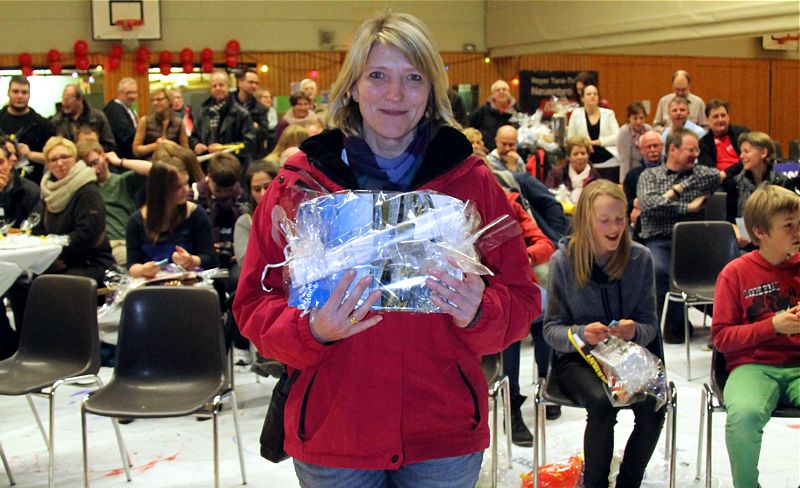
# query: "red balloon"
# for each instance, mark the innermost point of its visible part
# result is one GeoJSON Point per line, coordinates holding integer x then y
{"type": "Point", "coordinates": [82, 63]}
{"type": "Point", "coordinates": [206, 54]}
{"type": "Point", "coordinates": [56, 68]}
{"type": "Point", "coordinates": [53, 55]}
{"type": "Point", "coordinates": [186, 55]}
{"type": "Point", "coordinates": [208, 66]}
{"type": "Point", "coordinates": [116, 51]}
{"type": "Point", "coordinates": [233, 46]}
{"type": "Point", "coordinates": [27, 70]}
{"type": "Point", "coordinates": [81, 48]}
{"type": "Point", "coordinates": [165, 57]}
{"type": "Point", "coordinates": [25, 59]}
{"type": "Point", "coordinates": [143, 54]}
{"type": "Point", "coordinates": [113, 63]}
{"type": "Point", "coordinates": [231, 61]}
{"type": "Point", "coordinates": [188, 68]}
{"type": "Point", "coordinates": [142, 67]}
{"type": "Point", "coordinates": [165, 68]}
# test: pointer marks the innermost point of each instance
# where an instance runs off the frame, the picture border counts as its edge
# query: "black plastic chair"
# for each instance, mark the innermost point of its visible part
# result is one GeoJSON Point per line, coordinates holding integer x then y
{"type": "Point", "coordinates": [171, 362]}
{"type": "Point", "coordinates": [548, 392]}
{"type": "Point", "coordinates": [719, 376]}
{"type": "Point", "coordinates": [59, 345]}
{"type": "Point", "coordinates": [492, 366]}
{"type": "Point", "coordinates": [716, 207]}
{"type": "Point", "coordinates": [699, 252]}
{"type": "Point", "coordinates": [794, 150]}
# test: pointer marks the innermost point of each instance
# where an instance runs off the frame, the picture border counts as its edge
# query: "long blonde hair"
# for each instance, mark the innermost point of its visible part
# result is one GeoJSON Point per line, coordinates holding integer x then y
{"type": "Point", "coordinates": [581, 250]}
{"type": "Point", "coordinates": [409, 35]}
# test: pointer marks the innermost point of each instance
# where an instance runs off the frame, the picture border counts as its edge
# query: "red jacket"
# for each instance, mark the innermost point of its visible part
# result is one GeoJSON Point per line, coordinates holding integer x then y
{"type": "Point", "coordinates": [748, 293]}
{"type": "Point", "coordinates": [411, 388]}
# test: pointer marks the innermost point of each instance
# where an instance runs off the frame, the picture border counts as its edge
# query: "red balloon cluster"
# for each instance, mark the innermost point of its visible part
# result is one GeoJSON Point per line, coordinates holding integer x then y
{"type": "Point", "coordinates": [186, 56]}
{"type": "Point", "coordinates": [207, 60]}
{"type": "Point", "coordinates": [114, 56]}
{"type": "Point", "coordinates": [26, 64]}
{"type": "Point", "coordinates": [142, 60]}
{"type": "Point", "coordinates": [81, 50]}
{"type": "Point", "coordinates": [165, 62]}
{"type": "Point", "coordinates": [232, 49]}
{"type": "Point", "coordinates": [54, 58]}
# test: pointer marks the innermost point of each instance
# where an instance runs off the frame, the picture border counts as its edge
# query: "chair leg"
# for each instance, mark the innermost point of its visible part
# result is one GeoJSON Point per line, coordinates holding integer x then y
{"type": "Point", "coordinates": [506, 390]}
{"type": "Point", "coordinates": [5, 465]}
{"type": "Point", "coordinates": [38, 419]}
{"type": "Point", "coordinates": [664, 311]}
{"type": "Point", "coordinates": [84, 443]}
{"type": "Point", "coordinates": [700, 429]}
{"type": "Point", "coordinates": [709, 425]}
{"type": "Point", "coordinates": [51, 470]}
{"type": "Point", "coordinates": [672, 434]}
{"type": "Point", "coordinates": [215, 415]}
{"type": "Point", "coordinates": [238, 435]}
{"type": "Point", "coordinates": [495, 433]}
{"type": "Point", "coordinates": [686, 339]}
{"type": "Point", "coordinates": [536, 435]}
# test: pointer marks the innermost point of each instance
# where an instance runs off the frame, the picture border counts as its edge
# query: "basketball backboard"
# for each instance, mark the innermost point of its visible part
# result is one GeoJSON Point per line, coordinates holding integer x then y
{"type": "Point", "coordinates": [106, 15]}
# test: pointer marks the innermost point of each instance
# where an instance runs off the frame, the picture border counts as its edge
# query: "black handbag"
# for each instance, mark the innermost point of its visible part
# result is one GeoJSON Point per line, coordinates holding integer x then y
{"type": "Point", "coordinates": [272, 433]}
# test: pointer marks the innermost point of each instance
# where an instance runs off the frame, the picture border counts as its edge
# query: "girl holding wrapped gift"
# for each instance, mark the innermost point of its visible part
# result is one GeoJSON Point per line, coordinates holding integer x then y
{"type": "Point", "coordinates": [598, 276]}
{"type": "Point", "coordinates": [388, 398]}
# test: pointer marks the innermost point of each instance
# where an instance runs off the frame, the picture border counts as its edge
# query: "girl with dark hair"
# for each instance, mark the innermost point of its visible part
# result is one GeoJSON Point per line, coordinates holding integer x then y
{"type": "Point", "coordinates": [168, 226]}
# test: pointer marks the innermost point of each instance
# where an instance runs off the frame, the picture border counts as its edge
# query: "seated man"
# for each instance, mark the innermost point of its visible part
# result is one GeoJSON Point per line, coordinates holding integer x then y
{"type": "Point", "coordinates": [668, 194]}
{"type": "Point", "coordinates": [19, 198]}
{"type": "Point", "coordinates": [679, 117]}
{"type": "Point", "coordinates": [652, 150]}
{"type": "Point", "coordinates": [121, 192]}
{"type": "Point", "coordinates": [504, 155]}
{"type": "Point", "coordinates": [757, 326]}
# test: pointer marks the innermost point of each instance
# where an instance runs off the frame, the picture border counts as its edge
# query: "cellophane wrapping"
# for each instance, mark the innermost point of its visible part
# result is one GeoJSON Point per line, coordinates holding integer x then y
{"type": "Point", "coordinates": [633, 372]}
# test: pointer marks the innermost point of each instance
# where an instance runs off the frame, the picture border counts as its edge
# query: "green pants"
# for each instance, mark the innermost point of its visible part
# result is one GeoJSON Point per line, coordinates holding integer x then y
{"type": "Point", "coordinates": [751, 394]}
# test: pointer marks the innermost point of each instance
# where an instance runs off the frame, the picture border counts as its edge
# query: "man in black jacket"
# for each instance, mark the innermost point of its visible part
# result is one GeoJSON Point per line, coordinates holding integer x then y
{"type": "Point", "coordinates": [247, 86]}
{"type": "Point", "coordinates": [29, 129]}
{"type": "Point", "coordinates": [122, 117]}
{"type": "Point", "coordinates": [76, 112]}
{"type": "Point", "coordinates": [222, 121]}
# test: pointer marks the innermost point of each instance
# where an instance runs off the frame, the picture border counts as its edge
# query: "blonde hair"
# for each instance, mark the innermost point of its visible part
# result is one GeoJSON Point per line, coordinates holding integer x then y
{"type": "Point", "coordinates": [762, 141]}
{"type": "Point", "coordinates": [292, 136]}
{"type": "Point", "coordinates": [580, 251]}
{"type": "Point", "coordinates": [766, 202]}
{"type": "Point", "coordinates": [56, 141]}
{"type": "Point", "coordinates": [407, 34]}
{"type": "Point", "coordinates": [578, 141]}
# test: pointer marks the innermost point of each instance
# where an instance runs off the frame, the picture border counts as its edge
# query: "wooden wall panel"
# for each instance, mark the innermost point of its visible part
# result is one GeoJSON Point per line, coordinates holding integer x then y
{"type": "Point", "coordinates": [764, 94]}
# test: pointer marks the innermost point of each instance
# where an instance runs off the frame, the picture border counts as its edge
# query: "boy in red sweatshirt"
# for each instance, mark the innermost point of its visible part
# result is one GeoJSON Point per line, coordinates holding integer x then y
{"type": "Point", "coordinates": [757, 326]}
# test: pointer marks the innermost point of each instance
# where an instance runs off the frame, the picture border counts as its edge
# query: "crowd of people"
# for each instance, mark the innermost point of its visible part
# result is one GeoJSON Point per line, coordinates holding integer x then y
{"type": "Point", "coordinates": [197, 189]}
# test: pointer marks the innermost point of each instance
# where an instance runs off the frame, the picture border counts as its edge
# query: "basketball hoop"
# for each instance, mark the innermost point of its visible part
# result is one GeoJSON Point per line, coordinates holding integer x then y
{"type": "Point", "coordinates": [128, 34]}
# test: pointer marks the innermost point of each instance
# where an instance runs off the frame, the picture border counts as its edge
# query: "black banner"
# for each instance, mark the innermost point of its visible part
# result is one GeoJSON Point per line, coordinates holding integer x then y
{"type": "Point", "coordinates": [538, 86]}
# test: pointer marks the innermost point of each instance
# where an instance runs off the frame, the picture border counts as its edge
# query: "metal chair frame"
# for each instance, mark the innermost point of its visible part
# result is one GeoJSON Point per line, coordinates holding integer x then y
{"type": "Point", "coordinates": [498, 387]}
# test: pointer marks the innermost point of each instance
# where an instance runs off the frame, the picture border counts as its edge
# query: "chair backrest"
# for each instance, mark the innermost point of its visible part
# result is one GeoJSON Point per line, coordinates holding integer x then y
{"type": "Point", "coordinates": [716, 207]}
{"type": "Point", "coordinates": [794, 150]}
{"type": "Point", "coordinates": [719, 373]}
{"type": "Point", "coordinates": [699, 252]}
{"type": "Point", "coordinates": [171, 333]}
{"type": "Point", "coordinates": [61, 324]}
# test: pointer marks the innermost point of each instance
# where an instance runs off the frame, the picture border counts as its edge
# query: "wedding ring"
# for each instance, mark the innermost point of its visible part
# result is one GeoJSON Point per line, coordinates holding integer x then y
{"type": "Point", "coordinates": [353, 320]}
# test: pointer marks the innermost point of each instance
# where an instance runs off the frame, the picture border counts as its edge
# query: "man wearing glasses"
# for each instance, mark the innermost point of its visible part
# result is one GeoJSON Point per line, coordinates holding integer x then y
{"type": "Point", "coordinates": [76, 111]}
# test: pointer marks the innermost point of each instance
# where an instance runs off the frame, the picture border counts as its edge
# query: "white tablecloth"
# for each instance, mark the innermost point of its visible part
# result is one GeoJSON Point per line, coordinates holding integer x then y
{"type": "Point", "coordinates": [22, 255]}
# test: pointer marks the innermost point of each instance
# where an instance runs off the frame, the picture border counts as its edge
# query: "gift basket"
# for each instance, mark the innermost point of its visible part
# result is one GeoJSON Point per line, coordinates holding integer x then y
{"type": "Point", "coordinates": [394, 237]}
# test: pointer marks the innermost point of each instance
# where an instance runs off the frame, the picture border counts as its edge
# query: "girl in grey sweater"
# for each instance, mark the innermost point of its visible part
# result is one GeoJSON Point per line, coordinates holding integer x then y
{"type": "Point", "coordinates": [598, 276]}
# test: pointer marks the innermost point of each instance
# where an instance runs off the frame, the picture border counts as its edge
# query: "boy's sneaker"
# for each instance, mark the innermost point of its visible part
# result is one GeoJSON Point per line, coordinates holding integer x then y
{"type": "Point", "coordinates": [241, 357]}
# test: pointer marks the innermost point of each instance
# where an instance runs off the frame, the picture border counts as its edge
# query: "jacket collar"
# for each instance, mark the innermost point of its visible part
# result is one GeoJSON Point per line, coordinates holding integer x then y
{"type": "Point", "coordinates": [447, 148]}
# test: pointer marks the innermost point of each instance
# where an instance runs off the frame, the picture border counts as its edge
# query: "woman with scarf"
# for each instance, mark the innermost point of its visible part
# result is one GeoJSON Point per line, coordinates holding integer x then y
{"type": "Point", "coordinates": [577, 173]}
{"type": "Point", "coordinates": [162, 124]}
{"type": "Point", "coordinates": [300, 114]}
{"type": "Point", "coordinates": [73, 207]}
{"type": "Point", "coordinates": [601, 285]}
{"type": "Point", "coordinates": [392, 130]}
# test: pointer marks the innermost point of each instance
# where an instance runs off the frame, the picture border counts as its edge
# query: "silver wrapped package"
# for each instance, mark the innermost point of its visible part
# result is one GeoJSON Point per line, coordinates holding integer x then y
{"type": "Point", "coordinates": [632, 372]}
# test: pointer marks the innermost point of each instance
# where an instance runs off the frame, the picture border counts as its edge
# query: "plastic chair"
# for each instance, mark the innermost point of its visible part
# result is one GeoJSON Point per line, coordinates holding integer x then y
{"type": "Point", "coordinates": [719, 376]}
{"type": "Point", "coordinates": [492, 366]}
{"type": "Point", "coordinates": [794, 150]}
{"type": "Point", "coordinates": [699, 252]}
{"type": "Point", "coordinates": [716, 207]}
{"type": "Point", "coordinates": [59, 345]}
{"type": "Point", "coordinates": [171, 362]}
{"type": "Point", "coordinates": [547, 391]}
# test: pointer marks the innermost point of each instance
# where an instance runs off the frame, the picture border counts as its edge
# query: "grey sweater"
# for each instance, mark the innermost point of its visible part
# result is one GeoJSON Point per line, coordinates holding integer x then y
{"type": "Point", "coordinates": [632, 297]}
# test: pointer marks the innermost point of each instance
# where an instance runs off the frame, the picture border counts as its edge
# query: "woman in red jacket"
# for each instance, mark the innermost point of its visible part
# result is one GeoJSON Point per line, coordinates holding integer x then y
{"type": "Point", "coordinates": [389, 398]}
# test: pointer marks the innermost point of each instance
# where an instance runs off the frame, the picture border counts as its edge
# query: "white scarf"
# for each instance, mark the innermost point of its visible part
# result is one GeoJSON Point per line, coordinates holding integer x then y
{"type": "Point", "coordinates": [577, 179]}
{"type": "Point", "coordinates": [58, 193]}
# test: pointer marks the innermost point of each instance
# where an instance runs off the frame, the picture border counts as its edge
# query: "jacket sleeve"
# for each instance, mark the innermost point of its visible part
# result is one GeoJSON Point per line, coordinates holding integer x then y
{"type": "Point", "coordinates": [557, 318]}
{"type": "Point", "coordinates": [89, 224]}
{"type": "Point", "coordinates": [539, 247]}
{"type": "Point", "coordinates": [105, 133]}
{"type": "Point", "coordinates": [249, 136]}
{"type": "Point", "coordinates": [651, 198]}
{"type": "Point", "coordinates": [728, 330]}
{"type": "Point", "coordinates": [261, 307]}
{"type": "Point", "coordinates": [645, 314]}
{"type": "Point", "coordinates": [203, 239]}
{"type": "Point", "coordinates": [610, 128]}
{"type": "Point", "coordinates": [133, 241]}
{"type": "Point", "coordinates": [577, 124]}
{"type": "Point", "coordinates": [241, 234]}
{"type": "Point", "coordinates": [510, 300]}
{"type": "Point", "coordinates": [624, 144]}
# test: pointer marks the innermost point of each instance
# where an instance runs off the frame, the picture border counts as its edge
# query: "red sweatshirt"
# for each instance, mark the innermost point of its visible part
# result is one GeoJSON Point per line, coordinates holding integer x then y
{"type": "Point", "coordinates": [749, 292]}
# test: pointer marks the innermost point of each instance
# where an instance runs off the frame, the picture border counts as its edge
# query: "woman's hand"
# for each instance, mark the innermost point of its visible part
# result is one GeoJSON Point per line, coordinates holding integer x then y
{"type": "Point", "coordinates": [459, 298]}
{"type": "Point", "coordinates": [182, 258]}
{"type": "Point", "coordinates": [339, 318]}
{"type": "Point", "coordinates": [595, 333]}
{"type": "Point", "coordinates": [149, 270]}
{"type": "Point", "coordinates": [625, 329]}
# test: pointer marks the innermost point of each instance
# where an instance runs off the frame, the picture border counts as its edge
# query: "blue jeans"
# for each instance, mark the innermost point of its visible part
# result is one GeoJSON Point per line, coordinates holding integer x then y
{"type": "Point", "coordinates": [661, 249]}
{"type": "Point", "coordinates": [450, 472]}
